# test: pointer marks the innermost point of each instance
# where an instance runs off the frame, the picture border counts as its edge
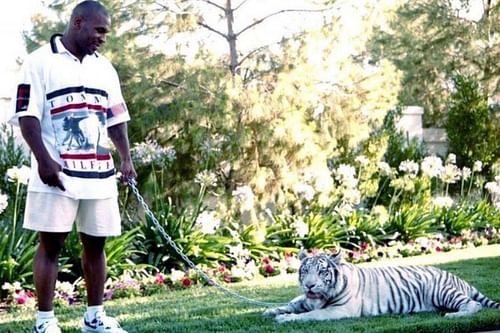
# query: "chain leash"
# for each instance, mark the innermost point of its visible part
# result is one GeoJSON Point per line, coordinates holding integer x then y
{"type": "Point", "coordinates": [133, 185]}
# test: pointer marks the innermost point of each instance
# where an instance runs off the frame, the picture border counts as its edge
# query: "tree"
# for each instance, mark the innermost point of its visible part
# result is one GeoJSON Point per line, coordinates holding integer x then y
{"type": "Point", "coordinates": [473, 127]}
{"type": "Point", "coordinates": [195, 13]}
{"type": "Point", "coordinates": [430, 41]}
{"type": "Point", "coordinates": [307, 101]}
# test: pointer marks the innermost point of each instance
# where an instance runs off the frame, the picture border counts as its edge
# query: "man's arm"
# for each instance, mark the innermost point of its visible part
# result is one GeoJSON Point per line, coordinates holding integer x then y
{"type": "Point", "coordinates": [119, 136]}
{"type": "Point", "coordinates": [48, 169]}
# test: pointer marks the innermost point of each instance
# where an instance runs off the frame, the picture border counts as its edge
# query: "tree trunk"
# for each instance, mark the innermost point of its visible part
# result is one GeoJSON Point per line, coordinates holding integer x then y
{"type": "Point", "coordinates": [231, 38]}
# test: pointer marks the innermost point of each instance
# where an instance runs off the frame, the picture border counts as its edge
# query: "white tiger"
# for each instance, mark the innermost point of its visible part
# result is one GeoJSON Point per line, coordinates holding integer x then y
{"type": "Point", "coordinates": [334, 290]}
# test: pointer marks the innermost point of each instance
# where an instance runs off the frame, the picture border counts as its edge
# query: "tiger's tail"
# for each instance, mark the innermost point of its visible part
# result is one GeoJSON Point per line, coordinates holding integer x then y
{"type": "Point", "coordinates": [485, 301]}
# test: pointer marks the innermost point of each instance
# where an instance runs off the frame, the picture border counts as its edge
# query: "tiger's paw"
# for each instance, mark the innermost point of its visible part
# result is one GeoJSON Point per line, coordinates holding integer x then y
{"type": "Point", "coordinates": [286, 317]}
{"type": "Point", "coordinates": [271, 312]}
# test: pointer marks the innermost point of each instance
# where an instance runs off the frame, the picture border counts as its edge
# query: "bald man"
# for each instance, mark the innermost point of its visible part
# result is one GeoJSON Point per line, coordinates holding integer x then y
{"type": "Point", "coordinates": [73, 185]}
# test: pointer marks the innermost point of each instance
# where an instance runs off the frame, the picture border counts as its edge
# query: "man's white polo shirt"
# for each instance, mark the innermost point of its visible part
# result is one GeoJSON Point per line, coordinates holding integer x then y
{"type": "Point", "coordinates": [75, 102]}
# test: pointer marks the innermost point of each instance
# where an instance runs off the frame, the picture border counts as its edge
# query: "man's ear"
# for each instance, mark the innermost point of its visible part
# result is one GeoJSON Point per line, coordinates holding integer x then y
{"type": "Point", "coordinates": [77, 22]}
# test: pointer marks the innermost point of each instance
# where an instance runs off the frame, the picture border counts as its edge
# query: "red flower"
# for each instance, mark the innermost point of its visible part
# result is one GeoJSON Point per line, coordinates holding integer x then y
{"type": "Point", "coordinates": [266, 260]}
{"type": "Point", "coordinates": [221, 268]}
{"type": "Point", "coordinates": [187, 282]}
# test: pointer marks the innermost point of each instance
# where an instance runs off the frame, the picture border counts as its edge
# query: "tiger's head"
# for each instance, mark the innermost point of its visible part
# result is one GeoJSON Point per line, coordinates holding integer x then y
{"type": "Point", "coordinates": [320, 275]}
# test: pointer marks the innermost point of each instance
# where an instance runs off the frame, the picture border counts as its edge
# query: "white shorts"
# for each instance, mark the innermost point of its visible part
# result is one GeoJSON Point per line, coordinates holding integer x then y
{"type": "Point", "coordinates": [49, 212]}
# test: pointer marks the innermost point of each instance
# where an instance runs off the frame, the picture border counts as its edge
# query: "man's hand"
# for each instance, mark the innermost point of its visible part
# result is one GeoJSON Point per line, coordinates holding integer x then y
{"type": "Point", "coordinates": [48, 169]}
{"type": "Point", "coordinates": [127, 171]}
{"type": "Point", "coordinates": [49, 173]}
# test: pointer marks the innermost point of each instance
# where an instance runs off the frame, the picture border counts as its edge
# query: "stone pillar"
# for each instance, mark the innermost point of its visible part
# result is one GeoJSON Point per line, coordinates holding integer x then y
{"type": "Point", "coordinates": [436, 141]}
{"type": "Point", "coordinates": [410, 122]}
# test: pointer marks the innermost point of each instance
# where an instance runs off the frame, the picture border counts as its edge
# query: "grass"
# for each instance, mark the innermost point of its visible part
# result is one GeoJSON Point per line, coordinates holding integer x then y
{"type": "Point", "coordinates": [207, 310]}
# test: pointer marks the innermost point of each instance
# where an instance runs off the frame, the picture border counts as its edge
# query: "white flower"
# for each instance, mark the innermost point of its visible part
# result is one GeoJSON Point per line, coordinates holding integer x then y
{"type": "Point", "coordinates": [423, 242]}
{"type": "Point", "coordinates": [176, 275]}
{"type": "Point", "coordinates": [409, 167]}
{"type": "Point", "coordinates": [208, 222]}
{"type": "Point", "coordinates": [493, 188]}
{"type": "Point", "coordinates": [352, 196]}
{"type": "Point", "coordinates": [345, 171]}
{"type": "Point", "coordinates": [320, 178]}
{"type": "Point", "coordinates": [151, 152]}
{"type": "Point", "coordinates": [64, 288]}
{"type": "Point", "coordinates": [362, 160]}
{"type": "Point", "coordinates": [385, 169]}
{"type": "Point", "coordinates": [238, 251]}
{"type": "Point", "coordinates": [301, 228]}
{"type": "Point", "coordinates": [432, 166]}
{"type": "Point", "coordinates": [451, 159]}
{"type": "Point", "coordinates": [21, 174]}
{"type": "Point", "coordinates": [206, 179]}
{"type": "Point", "coordinates": [304, 191]}
{"type": "Point", "coordinates": [16, 286]}
{"type": "Point", "coordinates": [344, 210]}
{"type": "Point", "coordinates": [380, 213]}
{"type": "Point", "coordinates": [450, 174]}
{"type": "Point", "coordinates": [442, 202]}
{"type": "Point", "coordinates": [244, 195]}
{"type": "Point", "coordinates": [238, 272]}
{"type": "Point", "coordinates": [346, 174]}
{"type": "Point", "coordinates": [478, 166]}
{"type": "Point", "coordinates": [4, 202]}
{"type": "Point", "coordinates": [213, 144]}
{"type": "Point", "coordinates": [466, 173]}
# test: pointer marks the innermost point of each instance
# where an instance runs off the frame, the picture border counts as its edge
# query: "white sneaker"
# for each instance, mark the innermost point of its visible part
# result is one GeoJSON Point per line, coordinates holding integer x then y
{"type": "Point", "coordinates": [101, 324]}
{"type": "Point", "coordinates": [48, 326]}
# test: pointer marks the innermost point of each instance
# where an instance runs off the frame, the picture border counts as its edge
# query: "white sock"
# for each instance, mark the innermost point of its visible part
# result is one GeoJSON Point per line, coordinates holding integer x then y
{"type": "Point", "coordinates": [44, 316]}
{"type": "Point", "coordinates": [92, 310]}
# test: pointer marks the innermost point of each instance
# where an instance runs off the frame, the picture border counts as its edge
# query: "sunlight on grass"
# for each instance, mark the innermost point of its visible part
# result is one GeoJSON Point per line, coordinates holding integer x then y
{"type": "Point", "coordinates": [443, 257]}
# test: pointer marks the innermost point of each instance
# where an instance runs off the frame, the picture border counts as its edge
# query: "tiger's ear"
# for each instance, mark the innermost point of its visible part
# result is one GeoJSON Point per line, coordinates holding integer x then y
{"type": "Point", "coordinates": [302, 254]}
{"type": "Point", "coordinates": [336, 257]}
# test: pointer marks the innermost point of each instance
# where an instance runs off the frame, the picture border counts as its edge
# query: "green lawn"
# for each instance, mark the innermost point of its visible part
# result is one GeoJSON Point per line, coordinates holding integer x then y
{"type": "Point", "coordinates": [207, 310]}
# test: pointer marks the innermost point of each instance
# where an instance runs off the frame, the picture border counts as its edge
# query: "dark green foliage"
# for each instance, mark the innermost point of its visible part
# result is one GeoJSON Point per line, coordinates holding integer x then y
{"type": "Point", "coordinates": [400, 147]}
{"type": "Point", "coordinates": [16, 245]}
{"type": "Point", "coordinates": [180, 224]}
{"type": "Point", "coordinates": [410, 223]}
{"type": "Point", "coordinates": [472, 126]}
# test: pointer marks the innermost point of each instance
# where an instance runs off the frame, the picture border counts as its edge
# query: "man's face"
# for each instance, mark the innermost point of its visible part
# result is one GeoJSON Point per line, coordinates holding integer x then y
{"type": "Point", "coordinates": [92, 33]}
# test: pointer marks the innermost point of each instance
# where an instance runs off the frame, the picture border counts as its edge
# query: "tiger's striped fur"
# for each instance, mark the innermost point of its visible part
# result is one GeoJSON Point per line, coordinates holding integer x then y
{"type": "Point", "coordinates": [335, 290]}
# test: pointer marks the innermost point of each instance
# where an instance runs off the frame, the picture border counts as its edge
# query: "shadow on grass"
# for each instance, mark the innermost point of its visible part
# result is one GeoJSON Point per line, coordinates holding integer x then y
{"type": "Point", "coordinates": [208, 310]}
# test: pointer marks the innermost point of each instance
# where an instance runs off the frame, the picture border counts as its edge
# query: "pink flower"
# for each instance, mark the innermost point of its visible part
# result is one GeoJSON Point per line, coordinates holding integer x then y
{"type": "Point", "coordinates": [23, 297]}
{"type": "Point", "coordinates": [266, 260]}
{"type": "Point", "coordinates": [108, 294]}
{"type": "Point", "coordinates": [160, 279]}
{"type": "Point", "coordinates": [268, 268]}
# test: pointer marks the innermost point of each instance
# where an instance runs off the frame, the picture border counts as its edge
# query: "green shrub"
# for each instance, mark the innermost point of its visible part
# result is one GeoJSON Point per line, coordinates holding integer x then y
{"type": "Point", "coordinates": [472, 126]}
